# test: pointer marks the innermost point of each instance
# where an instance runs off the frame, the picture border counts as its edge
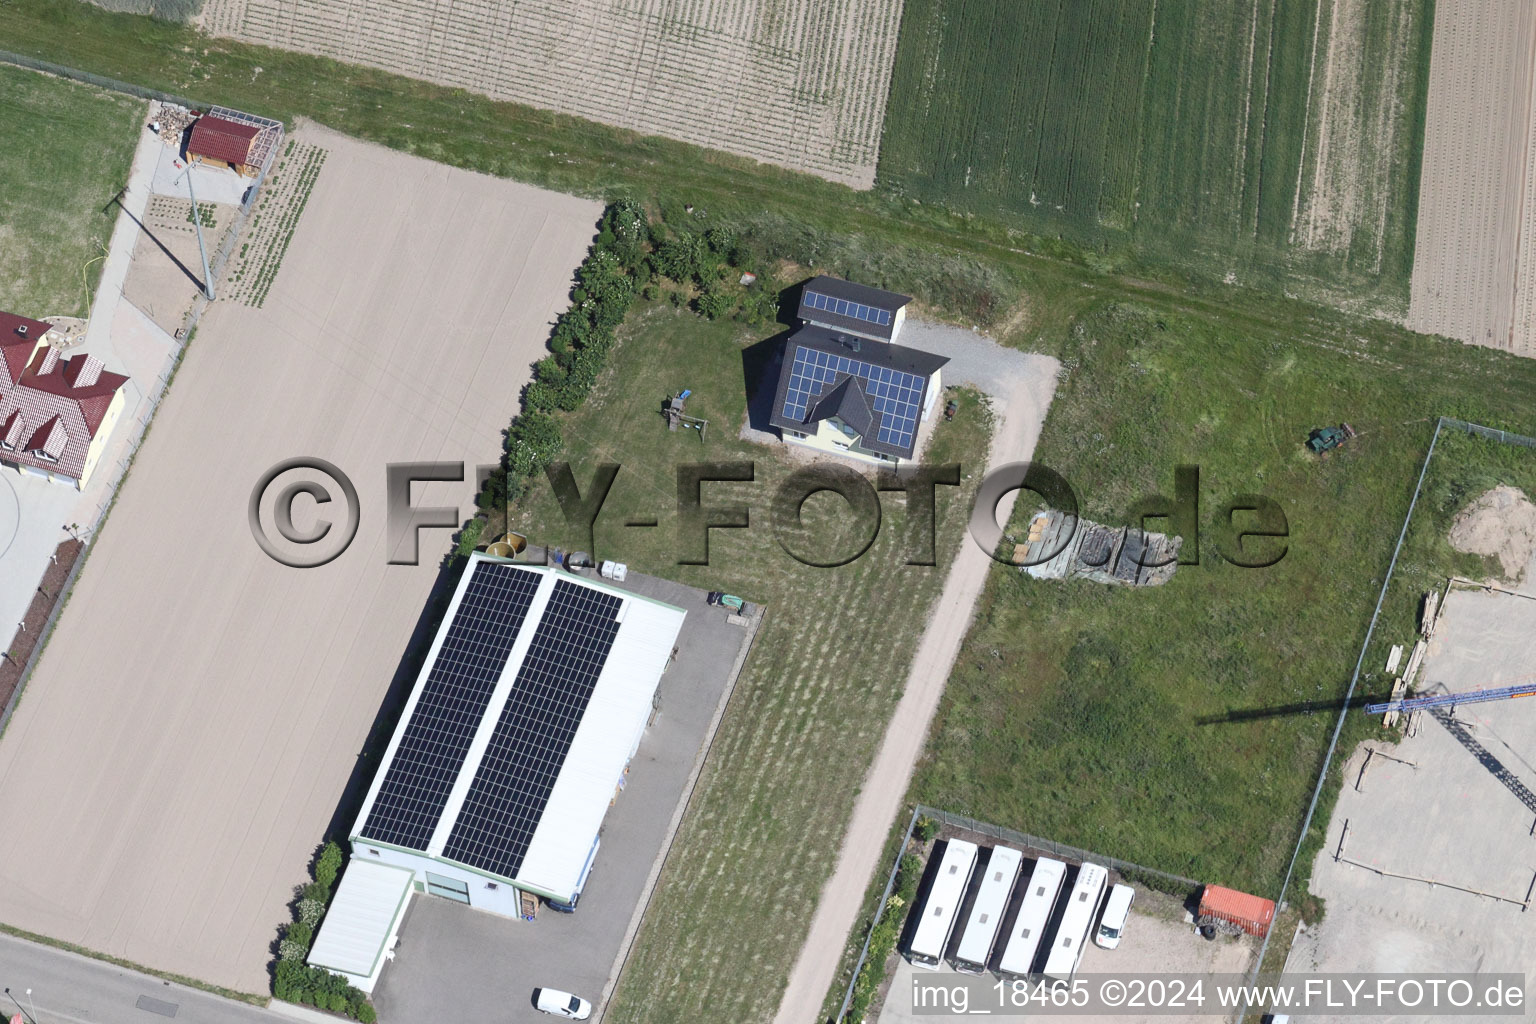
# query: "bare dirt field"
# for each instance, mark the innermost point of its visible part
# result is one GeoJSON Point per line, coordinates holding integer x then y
{"type": "Point", "coordinates": [798, 83]}
{"type": "Point", "coordinates": [190, 730]}
{"type": "Point", "coordinates": [1474, 268]}
{"type": "Point", "coordinates": [167, 270]}
{"type": "Point", "coordinates": [1451, 807]}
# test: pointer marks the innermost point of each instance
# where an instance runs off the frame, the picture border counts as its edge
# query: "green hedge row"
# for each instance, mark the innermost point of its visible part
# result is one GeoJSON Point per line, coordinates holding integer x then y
{"type": "Point", "coordinates": [882, 938]}
{"type": "Point", "coordinates": [296, 982]}
{"type": "Point", "coordinates": [630, 257]}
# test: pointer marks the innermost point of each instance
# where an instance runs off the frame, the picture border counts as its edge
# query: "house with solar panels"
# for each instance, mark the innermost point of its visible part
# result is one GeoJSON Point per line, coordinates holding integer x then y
{"type": "Point", "coordinates": [845, 386]}
{"type": "Point", "coordinates": [515, 740]}
{"type": "Point", "coordinates": [55, 413]}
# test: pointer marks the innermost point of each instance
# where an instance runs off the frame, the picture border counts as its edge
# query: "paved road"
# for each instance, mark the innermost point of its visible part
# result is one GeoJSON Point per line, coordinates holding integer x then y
{"type": "Point", "coordinates": [1021, 387]}
{"type": "Point", "coordinates": [72, 989]}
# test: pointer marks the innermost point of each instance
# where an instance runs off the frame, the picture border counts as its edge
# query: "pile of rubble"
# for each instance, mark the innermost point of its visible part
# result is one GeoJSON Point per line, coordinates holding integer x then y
{"type": "Point", "coordinates": [1106, 554]}
{"type": "Point", "coordinates": [173, 121]}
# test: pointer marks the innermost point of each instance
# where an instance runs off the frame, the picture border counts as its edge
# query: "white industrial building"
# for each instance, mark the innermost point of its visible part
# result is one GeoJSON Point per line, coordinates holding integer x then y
{"type": "Point", "coordinates": [515, 738]}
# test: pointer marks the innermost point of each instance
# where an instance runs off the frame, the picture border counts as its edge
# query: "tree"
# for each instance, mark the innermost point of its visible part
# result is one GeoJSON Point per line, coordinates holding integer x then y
{"type": "Point", "coordinates": [532, 443]}
{"type": "Point", "coordinates": [328, 864]}
{"type": "Point", "coordinates": [720, 240]}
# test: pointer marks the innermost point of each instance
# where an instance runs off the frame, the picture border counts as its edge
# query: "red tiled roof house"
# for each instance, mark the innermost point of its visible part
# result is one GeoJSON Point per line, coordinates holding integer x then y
{"type": "Point", "coordinates": [55, 414]}
{"type": "Point", "coordinates": [217, 140]}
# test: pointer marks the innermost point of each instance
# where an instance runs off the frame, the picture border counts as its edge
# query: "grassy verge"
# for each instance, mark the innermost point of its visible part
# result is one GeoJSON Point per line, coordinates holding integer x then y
{"type": "Point", "coordinates": [811, 704]}
{"type": "Point", "coordinates": [179, 979]}
{"type": "Point", "coordinates": [69, 149]}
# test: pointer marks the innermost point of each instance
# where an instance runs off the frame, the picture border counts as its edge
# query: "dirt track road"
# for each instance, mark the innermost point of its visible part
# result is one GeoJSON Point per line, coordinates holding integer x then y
{"type": "Point", "coordinates": [1021, 401]}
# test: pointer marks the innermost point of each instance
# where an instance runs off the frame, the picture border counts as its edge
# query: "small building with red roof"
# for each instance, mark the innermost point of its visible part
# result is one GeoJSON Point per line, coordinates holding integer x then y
{"type": "Point", "coordinates": [234, 139]}
{"type": "Point", "coordinates": [55, 413]}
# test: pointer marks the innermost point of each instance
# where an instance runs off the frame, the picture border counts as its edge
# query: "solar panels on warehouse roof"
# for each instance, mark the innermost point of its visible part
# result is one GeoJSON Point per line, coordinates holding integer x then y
{"type": "Point", "coordinates": [532, 699]}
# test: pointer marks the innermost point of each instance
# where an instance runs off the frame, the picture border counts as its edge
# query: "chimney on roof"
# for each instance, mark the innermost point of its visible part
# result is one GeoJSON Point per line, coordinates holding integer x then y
{"type": "Point", "coordinates": [89, 372]}
{"type": "Point", "coordinates": [21, 329]}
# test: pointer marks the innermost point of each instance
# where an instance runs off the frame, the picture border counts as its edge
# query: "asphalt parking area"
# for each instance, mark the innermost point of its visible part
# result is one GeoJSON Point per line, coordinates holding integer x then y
{"type": "Point", "coordinates": [454, 963]}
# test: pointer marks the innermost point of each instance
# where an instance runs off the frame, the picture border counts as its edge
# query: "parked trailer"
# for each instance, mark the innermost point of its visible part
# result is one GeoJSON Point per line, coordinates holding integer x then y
{"type": "Point", "coordinates": [1076, 924]}
{"type": "Point", "coordinates": [943, 906]}
{"type": "Point", "coordinates": [1034, 914]}
{"type": "Point", "coordinates": [980, 933]}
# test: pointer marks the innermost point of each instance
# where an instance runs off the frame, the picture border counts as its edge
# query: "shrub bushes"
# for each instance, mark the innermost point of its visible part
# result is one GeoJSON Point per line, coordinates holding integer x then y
{"type": "Point", "coordinates": [295, 981]}
{"type": "Point", "coordinates": [606, 284]}
{"type": "Point", "coordinates": [317, 987]}
{"type": "Point", "coordinates": [882, 938]}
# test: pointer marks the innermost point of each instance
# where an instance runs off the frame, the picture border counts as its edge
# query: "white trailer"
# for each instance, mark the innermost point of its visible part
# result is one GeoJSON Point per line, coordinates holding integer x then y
{"type": "Point", "coordinates": [1034, 914]}
{"type": "Point", "coordinates": [943, 906]}
{"type": "Point", "coordinates": [980, 933]}
{"type": "Point", "coordinates": [1076, 924]}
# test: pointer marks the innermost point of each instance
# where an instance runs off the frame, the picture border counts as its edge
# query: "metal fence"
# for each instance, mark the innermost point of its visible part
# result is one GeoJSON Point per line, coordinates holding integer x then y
{"type": "Point", "coordinates": [100, 81]}
{"type": "Point", "coordinates": [1491, 433]}
{"type": "Point", "coordinates": [1174, 883]}
{"type": "Point", "coordinates": [885, 897]}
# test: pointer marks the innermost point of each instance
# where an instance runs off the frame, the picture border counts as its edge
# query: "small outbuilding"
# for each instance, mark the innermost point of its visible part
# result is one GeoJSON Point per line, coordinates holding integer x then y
{"type": "Point", "coordinates": [228, 138]}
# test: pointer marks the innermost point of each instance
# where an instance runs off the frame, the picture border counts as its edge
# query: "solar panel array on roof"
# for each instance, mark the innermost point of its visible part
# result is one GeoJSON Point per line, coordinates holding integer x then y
{"type": "Point", "coordinates": [453, 700]}
{"type": "Point", "coordinates": [896, 396]}
{"type": "Point", "coordinates": [534, 733]}
{"type": "Point", "coordinates": [843, 307]}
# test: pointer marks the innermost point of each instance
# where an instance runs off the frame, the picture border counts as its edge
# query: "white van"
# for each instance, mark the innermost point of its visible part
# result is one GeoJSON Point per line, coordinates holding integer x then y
{"type": "Point", "coordinates": [1116, 909]}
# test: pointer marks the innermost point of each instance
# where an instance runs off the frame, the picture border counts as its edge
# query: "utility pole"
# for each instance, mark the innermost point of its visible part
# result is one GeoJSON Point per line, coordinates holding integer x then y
{"type": "Point", "coordinates": [197, 222]}
{"type": "Point", "coordinates": [32, 1017]}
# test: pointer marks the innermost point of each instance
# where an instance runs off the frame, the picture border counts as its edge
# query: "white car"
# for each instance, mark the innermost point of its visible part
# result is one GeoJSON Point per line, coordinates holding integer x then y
{"type": "Point", "coordinates": [1116, 909]}
{"type": "Point", "coordinates": [563, 1004]}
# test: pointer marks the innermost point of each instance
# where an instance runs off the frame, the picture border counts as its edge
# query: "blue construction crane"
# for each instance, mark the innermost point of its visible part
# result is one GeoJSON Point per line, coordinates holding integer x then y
{"type": "Point", "coordinates": [1440, 700]}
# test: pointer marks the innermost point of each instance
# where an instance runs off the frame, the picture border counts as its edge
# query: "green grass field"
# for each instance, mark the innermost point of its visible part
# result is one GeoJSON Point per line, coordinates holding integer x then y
{"type": "Point", "coordinates": [812, 701]}
{"type": "Point", "coordinates": [1099, 715]}
{"type": "Point", "coordinates": [68, 150]}
{"type": "Point", "coordinates": [1189, 130]}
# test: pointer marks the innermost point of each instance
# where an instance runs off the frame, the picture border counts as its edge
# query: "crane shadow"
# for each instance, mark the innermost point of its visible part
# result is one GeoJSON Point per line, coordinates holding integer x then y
{"type": "Point", "coordinates": [1485, 757]}
{"type": "Point", "coordinates": [117, 201]}
{"type": "Point", "coordinates": [1305, 707]}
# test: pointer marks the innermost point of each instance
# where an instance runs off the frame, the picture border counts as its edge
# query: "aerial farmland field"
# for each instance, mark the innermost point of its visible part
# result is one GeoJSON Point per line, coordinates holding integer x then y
{"type": "Point", "coordinates": [1273, 139]}
{"type": "Point", "coordinates": [797, 83]}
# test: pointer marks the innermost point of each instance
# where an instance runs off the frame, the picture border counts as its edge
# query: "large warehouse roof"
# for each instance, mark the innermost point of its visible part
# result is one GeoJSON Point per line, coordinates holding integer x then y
{"type": "Point", "coordinates": [536, 690]}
